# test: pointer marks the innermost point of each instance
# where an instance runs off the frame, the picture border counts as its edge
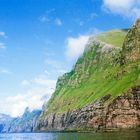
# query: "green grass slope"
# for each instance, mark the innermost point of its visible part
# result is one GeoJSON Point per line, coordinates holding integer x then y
{"type": "Point", "coordinates": [97, 73]}
{"type": "Point", "coordinates": [115, 37]}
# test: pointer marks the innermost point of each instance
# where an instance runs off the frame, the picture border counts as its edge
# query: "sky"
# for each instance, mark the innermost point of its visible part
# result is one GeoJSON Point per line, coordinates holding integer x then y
{"type": "Point", "coordinates": [40, 40]}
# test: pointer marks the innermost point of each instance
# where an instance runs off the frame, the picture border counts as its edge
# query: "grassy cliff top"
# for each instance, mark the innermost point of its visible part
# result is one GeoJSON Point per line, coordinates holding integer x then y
{"type": "Point", "coordinates": [114, 37]}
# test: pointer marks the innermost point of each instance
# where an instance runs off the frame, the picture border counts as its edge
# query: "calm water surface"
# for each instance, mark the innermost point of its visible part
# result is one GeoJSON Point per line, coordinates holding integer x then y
{"type": "Point", "coordinates": [71, 136]}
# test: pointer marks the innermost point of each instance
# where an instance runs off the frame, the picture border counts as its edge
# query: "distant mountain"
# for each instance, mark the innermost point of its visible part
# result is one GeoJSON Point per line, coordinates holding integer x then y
{"type": "Point", "coordinates": [102, 91]}
{"type": "Point", "coordinates": [25, 123]}
{"type": "Point", "coordinates": [4, 118]}
{"type": "Point", "coordinates": [4, 121]}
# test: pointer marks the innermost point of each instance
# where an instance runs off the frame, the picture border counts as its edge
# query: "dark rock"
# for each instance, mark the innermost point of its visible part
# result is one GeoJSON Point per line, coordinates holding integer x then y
{"type": "Point", "coordinates": [123, 112]}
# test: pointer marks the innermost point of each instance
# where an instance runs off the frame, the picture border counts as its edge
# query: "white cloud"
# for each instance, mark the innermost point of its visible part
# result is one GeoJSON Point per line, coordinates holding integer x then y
{"type": "Point", "coordinates": [94, 31]}
{"type": "Point", "coordinates": [25, 83]}
{"type": "Point", "coordinates": [42, 80]}
{"type": "Point", "coordinates": [55, 67]}
{"type": "Point", "coordinates": [61, 71]}
{"type": "Point", "coordinates": [75, 46]}
{"type": "Point", "coordinates": [2, 46]}
{"type": "Point", "coordinates": [33, 97]}
{"type": "Point", "coordinates": [15, 105]}
{"type": "Point", "coordinates": [47, 72]}
{"type": "Point", "coordinates": [93, 15]}
{"type": "Point", "coordinates": [2, 34]}
{"type": "Point", "coordinates": [126, 8]}
{"type": "Point", "coordinates": [4, 71]}
{"type": "Point", "coordinates": [47, 19]}
{"type": "Point", "coordinates": [54, 63]}
{"type": "Point", "coordinates": [44, 18]}
{"type": "Point", "coordinates": [58, 22]}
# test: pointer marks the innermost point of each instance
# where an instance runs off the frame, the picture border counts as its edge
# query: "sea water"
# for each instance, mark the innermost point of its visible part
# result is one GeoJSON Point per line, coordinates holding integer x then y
{"type": "Point", "coordinates": [71, 136]}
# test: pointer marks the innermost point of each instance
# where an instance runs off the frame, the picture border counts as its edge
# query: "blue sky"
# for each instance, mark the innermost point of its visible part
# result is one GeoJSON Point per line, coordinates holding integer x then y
{"type": "Point", "coordinates": [41, 39]}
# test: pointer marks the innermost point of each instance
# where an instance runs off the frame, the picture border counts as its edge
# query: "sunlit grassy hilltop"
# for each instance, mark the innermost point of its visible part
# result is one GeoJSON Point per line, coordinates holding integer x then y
{"type": "Point", "coordinates": [114, 37]}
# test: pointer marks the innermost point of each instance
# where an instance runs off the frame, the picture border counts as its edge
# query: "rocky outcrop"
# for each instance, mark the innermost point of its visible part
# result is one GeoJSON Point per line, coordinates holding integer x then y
{"type": "Point", "coordinates": [131, 46]}
{"type": "Point", "coordinates": [123, 112]}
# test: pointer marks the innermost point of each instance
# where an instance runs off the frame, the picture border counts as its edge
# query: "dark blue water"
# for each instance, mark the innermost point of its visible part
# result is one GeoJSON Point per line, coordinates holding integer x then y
{"type": "Point", "coordinates": [71, 136]}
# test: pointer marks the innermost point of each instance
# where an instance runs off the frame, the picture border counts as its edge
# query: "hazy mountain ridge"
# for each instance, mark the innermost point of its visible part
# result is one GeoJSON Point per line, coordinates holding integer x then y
{"type": "Point", "coordinates": [4, 122]}
{"type": "Point", "coordinates": [25, 123]}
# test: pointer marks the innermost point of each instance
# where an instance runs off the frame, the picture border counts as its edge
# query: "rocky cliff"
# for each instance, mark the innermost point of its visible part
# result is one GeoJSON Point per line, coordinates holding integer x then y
{"type": "Point", "coordinates": [102, 92]}
{"type": "Point", "coordinates": [123, 112]}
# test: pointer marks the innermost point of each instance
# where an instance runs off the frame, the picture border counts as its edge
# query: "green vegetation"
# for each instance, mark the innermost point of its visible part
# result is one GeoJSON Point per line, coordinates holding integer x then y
{"type": "Point", "coordinates": [97, 73]}
{"type": "Point", "coordinates": [115, 37]}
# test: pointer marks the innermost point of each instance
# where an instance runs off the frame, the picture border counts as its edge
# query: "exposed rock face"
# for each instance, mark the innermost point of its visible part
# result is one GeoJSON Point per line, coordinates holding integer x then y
{"type": "Point", "coordinates": [131, 46]}
{"type": "Point", "coordinates": [123, 112]}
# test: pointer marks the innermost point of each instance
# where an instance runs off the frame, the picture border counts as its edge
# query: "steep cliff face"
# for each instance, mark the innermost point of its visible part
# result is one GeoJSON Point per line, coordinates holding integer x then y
{"type": "Point", "coordinates": [131, 46]}
{"type": "Point", "coordinates": [123, 112]}
{"type": "Point", "coordinates": [102, 91]}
